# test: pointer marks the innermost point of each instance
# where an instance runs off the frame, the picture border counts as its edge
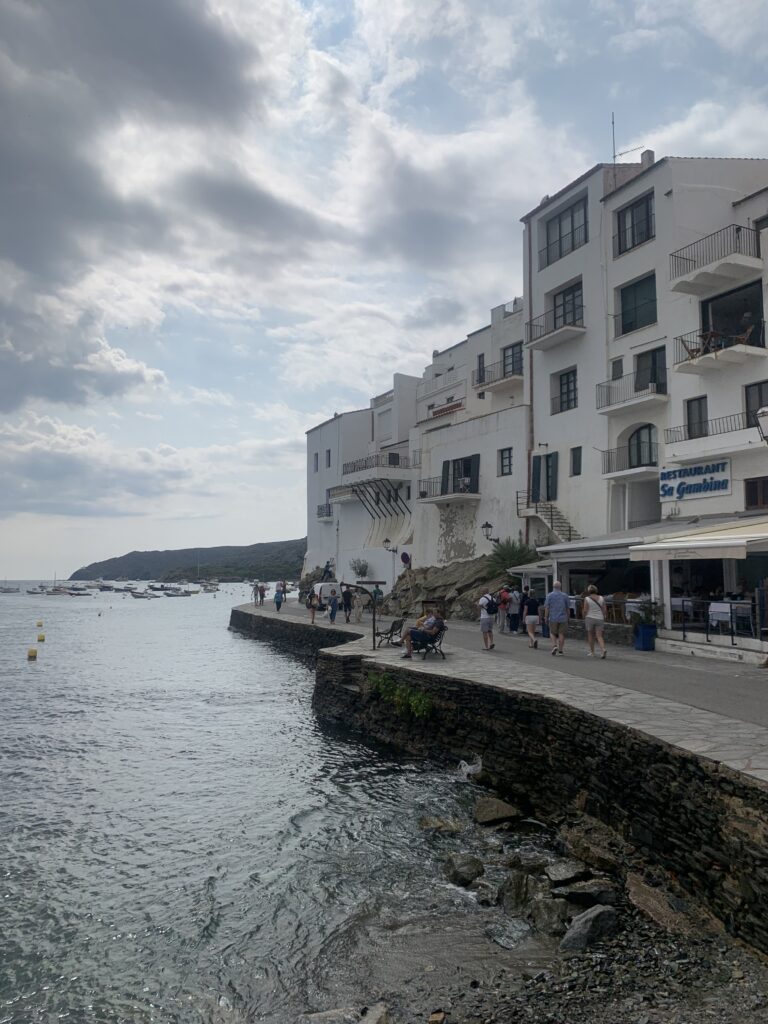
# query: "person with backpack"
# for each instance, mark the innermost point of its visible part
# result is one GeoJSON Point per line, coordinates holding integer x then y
{"type": "Point", "coordinates": [488, 610]}
{"type": "Point", "coordinates": [593, 613]}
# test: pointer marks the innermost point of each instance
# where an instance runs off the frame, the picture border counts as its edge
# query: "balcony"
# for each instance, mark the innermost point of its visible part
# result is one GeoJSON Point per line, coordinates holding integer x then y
{"type": "Point", "coordinates": [722, 260]}
{"type": "Point", "coordinates": [499, 376]}
{"type": "Point", "coordinates": [555, 327]}
{"type": "Point", "coordinates": [381, 466]}
{"type": "Point", "coordinates": [443, 380]}
{"type": "Point", "coordinates": [563, 403]}
{"type": "Point", "coordinates": [723, 436]}
{"type": "Point", "coordinates": [443, 410]}
{"type": "Point", "coordinates": [325, 511]}
{"type": "Point", "coordinates": [437, 491]}
{"type": "Point", "coordinates": [630, 390]}
{"type": "Point", "coordinates": [704, 350]}
{"type": "Point", "coordinates": [637, 461]}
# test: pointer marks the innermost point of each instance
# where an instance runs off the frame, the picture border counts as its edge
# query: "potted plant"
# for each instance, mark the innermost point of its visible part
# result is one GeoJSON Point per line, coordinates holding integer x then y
{"type": "Point", "coordinates": [645, 621]}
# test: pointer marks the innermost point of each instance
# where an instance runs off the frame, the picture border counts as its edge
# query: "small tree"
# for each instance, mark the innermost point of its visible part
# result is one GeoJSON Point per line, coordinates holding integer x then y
{"type": "Point", "coordinates": [507, 554]}
{"type": "Point", "coordinates": [359, 567]}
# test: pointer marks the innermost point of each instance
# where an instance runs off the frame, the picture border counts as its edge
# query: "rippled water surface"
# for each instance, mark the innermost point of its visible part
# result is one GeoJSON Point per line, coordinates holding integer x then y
{"type": "Point", "coordinates": [179, 839]}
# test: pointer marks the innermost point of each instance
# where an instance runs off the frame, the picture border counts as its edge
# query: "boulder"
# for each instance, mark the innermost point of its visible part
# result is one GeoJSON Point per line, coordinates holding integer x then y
{"type": "Point", "coordinates": [548, 916]}
{"type": "Point", "coordinates": [593, 925]}
{"type": "Point", "coordinates": [463, 868]}
{"type": "Point", "coordinates": [560, 872]}
{"type": "Point", "coordinates": [450, 825]}
{"type": "Point", "coordinates": [509, 934]}
{"type": "Point", "coordinates": [588, 892]}
{"type": "Point", "coordinates": [517, 890]}
{"type": "Point", "coordinates": [489, 810]}
{"type": "Point", "coordinates": [487, 894]}
{"type": "Point", "coordinates": [595, 844]}
{"type": "Point", "coordinates": [532, 862]}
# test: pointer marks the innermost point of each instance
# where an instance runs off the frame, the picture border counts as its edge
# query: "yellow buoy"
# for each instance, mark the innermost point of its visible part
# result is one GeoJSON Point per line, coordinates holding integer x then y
{"type": "Point", "coordinates": [41, 638]}
{"type": "Point", "coordinates": [32, 654]}
{"type": "Point", "coordinates": [39, 623]}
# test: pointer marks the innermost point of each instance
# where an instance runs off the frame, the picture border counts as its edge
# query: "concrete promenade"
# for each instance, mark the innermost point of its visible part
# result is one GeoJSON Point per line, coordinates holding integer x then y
{"type": "Point", "coordinates": [709, 708]}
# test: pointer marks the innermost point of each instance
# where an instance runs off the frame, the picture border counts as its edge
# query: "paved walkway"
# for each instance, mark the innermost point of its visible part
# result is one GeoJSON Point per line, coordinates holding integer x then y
{"type": "Point", "coordinates": [710, 708]}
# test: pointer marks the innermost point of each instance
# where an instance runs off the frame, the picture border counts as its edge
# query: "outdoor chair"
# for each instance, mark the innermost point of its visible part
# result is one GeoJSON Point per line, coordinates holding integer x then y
{"type": "Point", "coordinates": [391, 633]}
{"type": "Point", "coordinates": [743, 339]}
{"type": "Point", "coordinates": [432, 645]}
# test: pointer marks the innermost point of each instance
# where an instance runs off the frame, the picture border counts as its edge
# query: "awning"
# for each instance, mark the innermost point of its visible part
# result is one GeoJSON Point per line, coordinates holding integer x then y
{"type": "Point", "coordinates": [531, 569]}
{"type": "Point", "coordinates": [733, 541]}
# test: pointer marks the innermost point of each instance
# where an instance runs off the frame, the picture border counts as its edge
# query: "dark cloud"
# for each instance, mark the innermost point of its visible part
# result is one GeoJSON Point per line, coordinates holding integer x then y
{"type": "Point", "coordinates": [435, 312]}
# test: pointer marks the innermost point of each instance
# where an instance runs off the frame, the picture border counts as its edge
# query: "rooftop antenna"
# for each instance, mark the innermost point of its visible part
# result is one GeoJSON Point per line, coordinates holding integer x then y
{"type": "Point", "coordinates": [624, 152]}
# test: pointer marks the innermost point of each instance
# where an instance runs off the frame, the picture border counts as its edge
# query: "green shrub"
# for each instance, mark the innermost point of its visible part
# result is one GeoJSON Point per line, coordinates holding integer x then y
{"type": "Point", "coordinates": [405, 699]}
{"type": "Point", "coordinates": [509, 553]}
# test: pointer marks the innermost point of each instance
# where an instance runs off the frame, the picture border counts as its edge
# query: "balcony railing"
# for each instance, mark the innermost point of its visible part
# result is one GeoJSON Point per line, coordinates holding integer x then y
{"type": "Point", "coordinates": [324, 511]}
{"type": "Point", "coordinates": [636, 456]}
{"type": "Point", "coordinates": [445, 410]}
{"type": "Point", "coordinates": [634, 234]}
{"type": "Point", "coordinates": [495, 372]}
{"type": "Point", "coordinates": [718, 245]}
{"type": "Point", "coordinates": [704, 342]}
{"type": "Point", "coordinates": [562, 403]}
{"type": "Point", "coordinates": [562, 246]}
{"type": "Point", "coordinates": [382, 460]}
{"type": "Point", "coordinates": [552, 321]}
{"type": "Point", "coordinates": [711, 428]}
{"type": "Point", "coordinates": [434, 487]}
{"type": "Point", "coordinates": [631, 386]}
{"type": "Point", "coordinates": [444, 380]}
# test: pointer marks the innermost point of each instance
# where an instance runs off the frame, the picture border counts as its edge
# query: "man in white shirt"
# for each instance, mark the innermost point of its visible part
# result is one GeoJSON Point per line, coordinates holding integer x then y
{"type": "Point", "coordinates": [486, 621]}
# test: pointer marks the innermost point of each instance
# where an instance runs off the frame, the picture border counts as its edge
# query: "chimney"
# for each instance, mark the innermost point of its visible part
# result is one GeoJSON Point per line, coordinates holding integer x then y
{"type": "Point", "coordinates": [647, 159]}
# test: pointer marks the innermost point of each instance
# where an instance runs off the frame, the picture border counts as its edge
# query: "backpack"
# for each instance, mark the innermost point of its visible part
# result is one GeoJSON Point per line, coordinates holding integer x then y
{"type": "Point", "coordinates": [491, 605]}
{"type": "Point", "coordinates": [308, 602]}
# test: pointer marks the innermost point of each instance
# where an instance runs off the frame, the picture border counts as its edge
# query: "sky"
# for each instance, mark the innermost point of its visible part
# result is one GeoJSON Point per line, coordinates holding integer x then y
{"type": "Point", "coordinates": [221, 221]}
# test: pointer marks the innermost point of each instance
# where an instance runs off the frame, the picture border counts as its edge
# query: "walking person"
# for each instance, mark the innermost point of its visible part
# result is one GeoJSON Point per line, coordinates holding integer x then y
{"type": "Point", "coordinates": [488, 609]}
{"type": "Point", "coordinates": [333, 606]}
{"type": "Point", "coordinates": [556, 613]}
{"type": "Point", "coordinates": [593, 612]}
{"type": "Point", "coordinates": [278, 598]}
{"type": "Point", "coordinates": [346, 603]}
{"type": "Point", "coordinates": [255, 593]}
{"type": "Point", "coordinates": [503, 609]}
{"type": "Point", "coordinates": [531, 618]}
{"type": "Point", "coordinates": [358, 601]}
{"type": "Point", "coordinates": [523, 607]}
{"type": "Point", "coordinates": [262, 593]}
{"type": "Point", "coordinates": [513, 610]}
{"type": "Point", "coordinates": [312, 602]}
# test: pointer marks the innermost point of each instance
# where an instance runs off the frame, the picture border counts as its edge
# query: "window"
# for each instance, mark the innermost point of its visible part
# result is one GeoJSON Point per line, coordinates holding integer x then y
{"type": "Point", "coordinates": [756, 397]}
{"type": "Point", "coordinates": [505, 462]}
{"type": "Point", "coordinates": [567, 306]}
{"type": "Point", "coordinates": [461, 476]}
{"type": "Point", "coordinates": [617, 369]}
{"type": "Point", "coordinates": [481, 368]}
{"type": "Point", "coordinates": [566, 396]}
{"type": "Point", "coordinates": [327, 457]}
{"type": "Point", "coordinates": [638, 305]}
{"type": "Point", "coordinates": [512, 360]}
{"type": "Point", "coordinates": [756, 492]}
{"type": "Point", "coordinates": [407, 492]}
{"type": "Point", "coordinates": [635, 225]}
{"type": "Point", "coordinates": [736, 314]}
{"type": "Point", "coordinates": [576, 461]}
{"type": "Point", "coordinates": [696, 417]}
{"type": "Point", "coordinates": [642, 447]}
{"type": "Point", "coordinates": [316, 460]}
{"type": "Point", "coordinates": [565, 232]}
{"type": "Point", "coordinates": [430, 407]}
{"type": "Point", "coordinates": [651, 368]}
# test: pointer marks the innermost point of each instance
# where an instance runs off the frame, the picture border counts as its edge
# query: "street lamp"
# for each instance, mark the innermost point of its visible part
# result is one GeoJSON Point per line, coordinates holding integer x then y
{"type": "Point", "coordinates": [387, 545]}
{"type": "Point", "coordinates": [762, 422]}
{"type": "Point", "coordinates": [487, 529]}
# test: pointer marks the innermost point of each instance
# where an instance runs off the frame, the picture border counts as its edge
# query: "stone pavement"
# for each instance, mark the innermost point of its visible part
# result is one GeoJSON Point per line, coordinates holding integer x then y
{"type": "Point", "coordinates": [709, 708]}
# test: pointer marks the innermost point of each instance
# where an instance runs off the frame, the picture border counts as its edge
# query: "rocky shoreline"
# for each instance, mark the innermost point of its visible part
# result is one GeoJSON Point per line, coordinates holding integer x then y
{"type": "Point", "coordinates": [625, 946]}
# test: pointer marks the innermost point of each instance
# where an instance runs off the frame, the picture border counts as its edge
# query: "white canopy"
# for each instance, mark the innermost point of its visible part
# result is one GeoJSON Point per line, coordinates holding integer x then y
{"type": "Point", "coordinates": [735, 540]}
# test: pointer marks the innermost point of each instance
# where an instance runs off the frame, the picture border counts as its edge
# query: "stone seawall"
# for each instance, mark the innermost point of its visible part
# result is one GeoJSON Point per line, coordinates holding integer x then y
{"type": "Point", "coordinates": [700, 820]}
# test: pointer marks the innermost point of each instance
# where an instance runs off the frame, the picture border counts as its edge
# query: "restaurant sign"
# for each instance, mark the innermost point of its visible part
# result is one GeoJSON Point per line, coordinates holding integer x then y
{"type": "Point", "coordinates": [701, 480]}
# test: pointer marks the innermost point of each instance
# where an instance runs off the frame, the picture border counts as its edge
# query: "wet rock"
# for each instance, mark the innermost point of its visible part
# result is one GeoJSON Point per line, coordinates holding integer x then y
{"type": "Point", "coordinates": [517, 889]}
{"type": "Point", "coordinates": [655, 904]}
{"type": "Point", "coordinates": [560, 872]}
{"type": "Point", "coordinates": [377, 1014]}
{"type": "Point", "coordinates": [509, 934]}
{"type": "Point", "coordinates": [344, 1015]}
{"type": "Point", "coordinates": [593, 925]}
{"type": "Point", "coordinates": [593, 843]}
{"type": "Point", "coordinates": [548, 916]}
{"type": "Point", "coordinates": [487, 894]}
{"type": "Point", "coordinates": [489, 810]}
{"type": "Point", "coordinates": [448, 825]}
{"type": "Point", "coordinates": [463, 869]}
{"type": "Point", "coordinates": [532, 862]}
{"type": "Point", "coordinates": [588, 892]}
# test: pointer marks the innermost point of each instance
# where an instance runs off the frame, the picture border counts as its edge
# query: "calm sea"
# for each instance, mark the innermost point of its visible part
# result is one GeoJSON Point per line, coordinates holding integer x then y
{"type": "Point", "coordinates": [181, 841]}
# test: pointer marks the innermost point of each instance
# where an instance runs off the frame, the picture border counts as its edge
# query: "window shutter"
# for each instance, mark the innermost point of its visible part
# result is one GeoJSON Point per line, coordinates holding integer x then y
{"type": "Point", "coordinates": [552, 477]}
{"type": "Point", "coordinates": [474, 474]}
{"type": "Point", "coordinates": [535, 479]}
{"type": "Point", "coordinates": [444, 478]}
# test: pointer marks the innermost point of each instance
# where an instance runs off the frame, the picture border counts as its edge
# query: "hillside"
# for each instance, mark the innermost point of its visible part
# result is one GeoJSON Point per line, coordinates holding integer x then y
{"type": "Point", "coordinates": [280, 559]}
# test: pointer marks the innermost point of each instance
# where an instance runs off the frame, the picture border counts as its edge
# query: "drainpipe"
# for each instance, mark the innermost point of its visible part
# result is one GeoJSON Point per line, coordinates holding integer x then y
{"type": "Point", "coordinates": [531, 432]}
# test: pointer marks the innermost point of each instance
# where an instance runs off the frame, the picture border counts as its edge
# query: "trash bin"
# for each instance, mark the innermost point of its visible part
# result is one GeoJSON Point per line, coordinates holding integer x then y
{"type": "Point", "coordinates": [645, 636]}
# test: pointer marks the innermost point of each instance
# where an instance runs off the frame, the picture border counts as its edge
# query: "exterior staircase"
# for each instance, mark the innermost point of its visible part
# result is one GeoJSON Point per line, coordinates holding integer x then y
{"type": "Point", "coordinates": [549, 514]}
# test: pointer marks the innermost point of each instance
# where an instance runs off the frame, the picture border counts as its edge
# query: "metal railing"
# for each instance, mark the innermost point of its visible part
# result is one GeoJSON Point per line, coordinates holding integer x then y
{"type": "Point", "coordinates": [718, 245]}
{"type": "Point", "coordinates": [495, 372]}
{"type": "Point", "coordinates": [711, 428]}
{"type": "Point", "coordinates": [324, 511]}
{"type": "Point", "coordinates": [642, 315]}
{"type": "Point", "coordinates": [705, 342]}
{"type": "Point", "coordinates": [617, 460]}
{"type": "Point", "coordinates": [548, 512]}
{"type": "Point", "coordinates": [562, 403]}
{"type": "Point", "coordinates": [552, 321]}
{"type": "Point", "coordinates": [445, 380]}
{"type": "Point", "coordinates": [745, 619]}
{"type": "Point", "coordinates": [630, 386]}
{"type": "Point", "coordinates": [555, 251]}
{"type": "Point", "coordinates": [434, 487]}
{"type": "Point", "coordinates": [382, 460]}
{"type": "Point", "coordinates": [635, 234]}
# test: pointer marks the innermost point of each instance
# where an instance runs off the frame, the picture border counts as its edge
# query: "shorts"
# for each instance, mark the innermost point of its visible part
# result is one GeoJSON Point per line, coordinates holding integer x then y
{"type": "Point", "coordinates": [531, 620]}
{"type": "Point", "coordinates": [594, 624]}
{"type": "Point", "coordinates": [558, 628]}
{"type": "Point", "coordinates": [418, 636]}
{"type": "Point", "coordinates": [486, 624]}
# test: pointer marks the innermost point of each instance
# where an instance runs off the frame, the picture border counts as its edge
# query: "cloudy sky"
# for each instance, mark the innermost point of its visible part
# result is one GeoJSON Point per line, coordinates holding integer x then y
{"type": "Point", "coordinates": [223, 220]}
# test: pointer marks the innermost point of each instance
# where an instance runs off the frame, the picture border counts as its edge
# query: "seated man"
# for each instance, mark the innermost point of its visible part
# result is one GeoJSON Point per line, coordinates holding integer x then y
{"type": "Point", "coordinates": [426, 627]}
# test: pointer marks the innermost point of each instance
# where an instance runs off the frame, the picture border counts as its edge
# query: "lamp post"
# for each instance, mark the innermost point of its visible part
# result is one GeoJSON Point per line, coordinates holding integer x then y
{"type": "Point", "coordinates": [387, 545]}
{"type": "Point", "coordinates": [365, 590]}
{"type": "Point", "coordinates": [762, 422]}
{"type": "Point", "coordinates": [487, 529]}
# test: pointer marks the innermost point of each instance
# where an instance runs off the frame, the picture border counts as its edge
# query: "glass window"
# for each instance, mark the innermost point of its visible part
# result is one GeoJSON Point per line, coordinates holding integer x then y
{"type": "Point", "coordinates": [642, 447]}
{"type": "Point", "coordinates": [568, 391]}
{"type": "Point", "coordinates": [576, 461]}
{"type": "Point", "coordinates": [756, 492]}
{"type": "Point", "coordinates": [651, 368]}
{"type": "Point", "coordinates": [635, 224]}
{"type": "Point", "coordinates": [505, 462]}
{"type": "Point", "coordinates": [756, 397]}
{"type": "Point", "coordinates": [568, 307]}
{"type": "Point", "coordinates": [316, 459]}
{"type": "Point", "coordinates": [512, 359]}
{"type": "Point", "coordinates": [617, 369]}
{"type": "Point", "coordinates": [565, 232]}
{"type": "Point", "coordinates": [736, 315]}
{"type": "Point", "coordinates": [696, 417]}
{"type": "Point", "coordinates": [481, 368]}
{"type": "Point", "coordinates": [638, 305]}
{"type": "Point", "coordinates": [327, 457]}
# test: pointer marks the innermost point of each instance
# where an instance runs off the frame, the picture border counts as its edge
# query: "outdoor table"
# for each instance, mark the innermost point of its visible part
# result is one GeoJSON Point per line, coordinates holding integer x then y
{"type": "Point", "coordinates": [719, 611]}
